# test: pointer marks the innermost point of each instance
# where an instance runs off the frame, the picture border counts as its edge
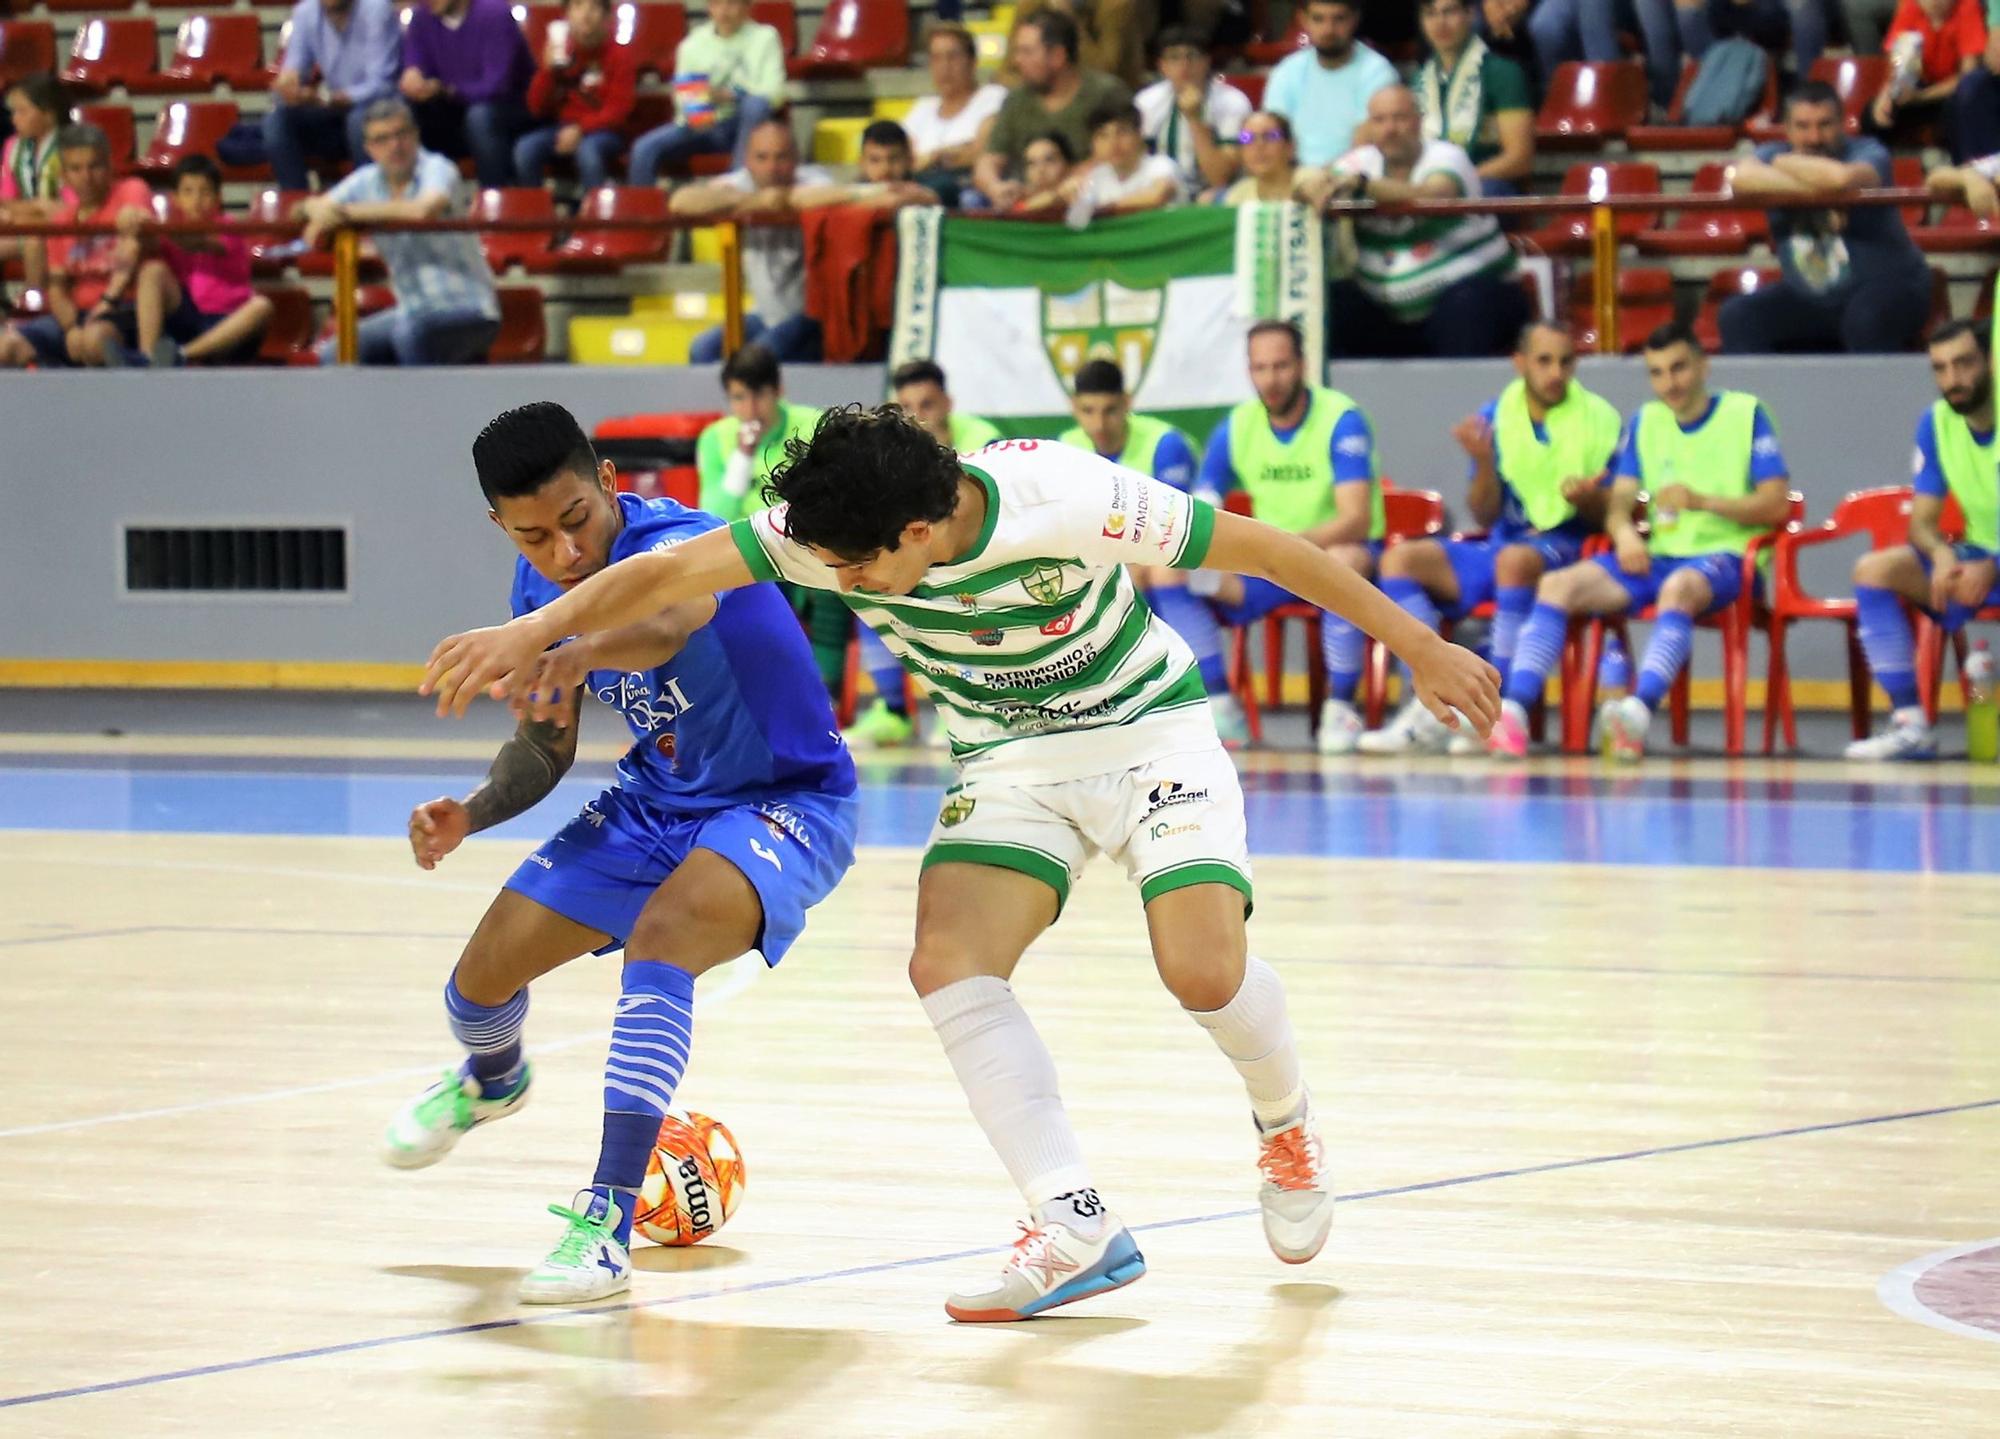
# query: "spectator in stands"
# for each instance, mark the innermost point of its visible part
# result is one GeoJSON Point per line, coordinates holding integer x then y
{"type": "Point", "coordinates": [1054, 94]}
{"type": "Point", "coordinates": [445, 312]}
{"type": "Point", "coordinates": [1423, 285]}
{"type": "Point", "coordinates": [191, 299]}
{"type": "Point", "coordinates": [30, 163]}
{"type": "Point", "coordinates": [1852, 279]}
{"type": "Point", "coordinates": [948, 128]}
{"type": "Point", "coordinates": [356, 46]}
{"type": "Point", "coordinates": [1191, 115]}
{"type": "Point", "coordinates": [1503, 25]}
{"type": "Point", "coordinates": [1589, 30]}
{"type": "Point", "coordinates": [1046, 165]}
{"type": "Point", "coordinates": [774, 257]}
{"type": "Point", "coordinates": [1972, 183]}
{"type": "Point", "coordinates": [1113, 36]}
{"type": "Point", "coordinates": [1477, 100]}
{"type": "Point", "coordinates": [84, 278]}
{"type": "Point", "coordinates": [1867, 23]}
{"type": "Point", "coordinates": [1975, 106]}
{"type": "Point", "coordinates": [887, 167]}
{"type": "Point", "coordinates": [1270, 161]}
{"type": "Point", "coordinates": [1933, 45]}
{"type": "Point", "coordinates": [728, 75]}
{"type": "Point", "coordinates": [585, 87]}
{"type": "Point", "coordinates": [1324, 91]}
{"type": "Point", "coordinates": [466, 71]}
{"type": "Point", "coordinates": [1122, 179]}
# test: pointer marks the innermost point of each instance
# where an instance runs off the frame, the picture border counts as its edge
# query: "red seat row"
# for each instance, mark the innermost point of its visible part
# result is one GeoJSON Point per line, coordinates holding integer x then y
{"type": "Point", "coordinates": [1588, 105]}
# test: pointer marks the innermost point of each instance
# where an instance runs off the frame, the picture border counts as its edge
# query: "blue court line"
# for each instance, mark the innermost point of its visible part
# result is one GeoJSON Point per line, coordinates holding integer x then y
{"type": "Point", "coordinates": [888, 1266]}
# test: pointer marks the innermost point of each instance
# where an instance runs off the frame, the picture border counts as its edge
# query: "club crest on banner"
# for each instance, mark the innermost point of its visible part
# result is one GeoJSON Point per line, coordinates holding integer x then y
{"type": "Point", "coordinates": [1103, 321]}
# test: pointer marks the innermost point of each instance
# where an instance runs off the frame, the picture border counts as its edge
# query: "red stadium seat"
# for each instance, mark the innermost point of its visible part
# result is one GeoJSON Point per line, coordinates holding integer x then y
{"type": "Point", "coordinates": [780, 16]}
{"type": "Point", "coordinates": [1677, 134]}
{"type": "Point", "coordinates": [1251, 85]}
{"type": "Point", "coordinates": [1588, 104]}
{"type": "Point", "coordinates": [1883, 516]}
{"type": "Point", "coordinates": [1855, 78]}
{"type": "Point", "coordinates": [655, 453]}
{"type": "Point", "coordinates": [27, 47]}
{"type": "Point", "coordinates": [290, 333]}
{"type": "Point", "coordinates": [524, 332]}
{"type": "Point", "coordinates": [1270, 52]}
{"type": "Point", "coordinates": [209, 50]}
{"type": "Point", "coordinates": [504, 248]}
{"type": "Point", "coordinates": [71, 7]}
{"type": "Point", "coordinates": [604, 251]}
{"type": "Point", "coordinates": [270, 205]}
{"type": "Point", "coordinates": [534, 21]}
{"type": "Point", "coordinates": [196, 127]}
{"type": "Point", "coordinates": [856, 36]}
{"type": "Point", "coordinates": [1725, 284]}
{"type": "Point", "coordinates": [1569, 234]}
{"type": "Point", "coordinates": [1707, 232]}
{"type": "Point", "coordinates": [1957, 231]}
{"type": "Point", "coordinates": [1645, 302]}
{"type": "Point", "coordinates": [113, 52]}
{"type": "Point", "coordinates": [653, 32]}
{"type": "Point", "coordinates": [116, 123]}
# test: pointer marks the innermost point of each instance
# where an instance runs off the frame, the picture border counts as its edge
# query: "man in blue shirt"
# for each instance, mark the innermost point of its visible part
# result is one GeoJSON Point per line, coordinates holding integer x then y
{"type": "Point", "coordinates": [357, 48]}
{"type": "Point", "coordinates": [732, 814]}
{"type": "Point", "coordinates": [1853, 281]}
{"type": "Point", "coordinates": [445, 312]}
{"type": "Point", "coordinates": [1324, 90]}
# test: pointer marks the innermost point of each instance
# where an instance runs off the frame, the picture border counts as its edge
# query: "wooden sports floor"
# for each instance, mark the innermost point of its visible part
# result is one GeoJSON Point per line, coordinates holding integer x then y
{"type": "Point", "coordinates": [1663, 1103]}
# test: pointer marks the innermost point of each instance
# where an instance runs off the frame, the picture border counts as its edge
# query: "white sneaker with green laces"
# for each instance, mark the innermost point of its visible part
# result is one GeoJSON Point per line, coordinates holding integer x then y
{"type": "Point", "coordinates": [423, 1131]}
{"type": "Point", "coordinates": [589, 1262]}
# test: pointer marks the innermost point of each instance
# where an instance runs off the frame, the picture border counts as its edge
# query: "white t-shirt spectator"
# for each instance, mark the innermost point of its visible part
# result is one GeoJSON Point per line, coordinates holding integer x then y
{"type": "Point", "coordinates": [930, 132]}
{"type": "Point", "coordinates": [1225, 108]}
{"type": "Point", "coordinates": [774, 256]}
{"type": "Point", "coordinates": [1104, 189]}
{"type": "Point", "coordinates": [1405, 261]}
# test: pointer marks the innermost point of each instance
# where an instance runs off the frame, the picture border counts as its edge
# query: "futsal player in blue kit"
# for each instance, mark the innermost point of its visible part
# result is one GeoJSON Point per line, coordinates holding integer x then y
{"type": "Point", "coordinates": [733, 813]}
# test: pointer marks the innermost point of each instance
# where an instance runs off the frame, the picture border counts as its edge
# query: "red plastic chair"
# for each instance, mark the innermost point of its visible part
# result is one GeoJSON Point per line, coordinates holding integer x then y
{"type": "Point", "coordinates": [1883, 515]}
{"type": "Point", "coordinates": [856, 36]}
{"type": "Point", "coordinates": [1930, 634]}
{"type": "Point", "coordinates": [270, 205]}
{"type": "Point", "coordinates": [1677, 134]}
{"type": "Point", "coordinates": [524, 330]}
{"type": "Point", "coordinates": [196, 127]}
{"type": "Point", "coordinates": [1737, 280]}
{"type": "Point", "coordinates": [1735, 624]}
{"type": "Point", "coordinates": [1645, 302]}
{"type": "Point", "coordinates": [1707, 232]}
{"type": "Point", "coordinates": [590, 251]}
{"type": "Point", "coordinates": [780, 16]}
{"type": "Point", "coordinates": [116, 123]}
{"type": "Point", "coordinates": [668, 441]}
{"type": "Point", "coordinates": [27, 47]}
{"type": "Point", "coordinates": [108, 53]}
{"type": "Point", "coordinates": [1588, 104]}
{"type": "Point", "coordinates": [505, 248]}
{"type": "Point", "coordinates": [653, 32]}
{"type": "Point", "coordinates": [210, 50]}
{"type": "Point", "coordinates": [1569, 234]}
{"type": "Point", "coordinates": [290, 333]}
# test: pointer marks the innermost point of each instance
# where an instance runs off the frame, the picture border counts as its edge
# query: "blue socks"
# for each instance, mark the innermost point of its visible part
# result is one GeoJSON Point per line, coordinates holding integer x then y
{"type": "Point", "coordinates": [886, 670]}
{"type": "Point", "coordinates": [1414, 600]}
{"type": "Point", "coordinates": [1666, 652]}
{"type": "Point", "coordinates": [1193, 619]}
{"type": "Point", "coordinates": [1340, 648]}
{"type": "Point", "coordinates": [1885, 639]}
{"type": "Point", "coordinates": [1540, 648]}
{"type": "Point", "coordinates": [1511, 604]}
{"type": "Point", "coordinates": [649, 1052]}
{"type": "Point", "coordinates": [491, 1036]}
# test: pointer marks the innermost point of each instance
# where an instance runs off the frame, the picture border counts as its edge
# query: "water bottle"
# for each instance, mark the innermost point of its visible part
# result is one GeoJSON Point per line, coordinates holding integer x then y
{"type": "Point", "coordinates": [1982, 708]}
{"type": "Point", "coordinates": [1614, 680]}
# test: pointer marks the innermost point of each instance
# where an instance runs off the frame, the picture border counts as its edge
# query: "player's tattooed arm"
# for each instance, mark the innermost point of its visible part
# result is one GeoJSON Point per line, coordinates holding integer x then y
{"type": "Point", "coordinates": [527, 768]}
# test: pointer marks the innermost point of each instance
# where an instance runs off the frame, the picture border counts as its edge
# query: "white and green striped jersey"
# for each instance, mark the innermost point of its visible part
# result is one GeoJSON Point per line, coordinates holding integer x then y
{"type": "Point", "coordinates": [1045, 662]}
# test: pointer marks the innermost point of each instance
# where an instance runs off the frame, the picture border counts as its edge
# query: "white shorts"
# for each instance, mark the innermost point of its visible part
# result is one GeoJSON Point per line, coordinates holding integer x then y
{"type": "Point", "coordinates": [1172, 822]}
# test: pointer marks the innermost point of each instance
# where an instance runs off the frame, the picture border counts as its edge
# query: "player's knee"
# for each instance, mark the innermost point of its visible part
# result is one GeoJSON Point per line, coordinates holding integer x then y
{"type": "Point", "coordinates": [938, 962]}
{"type": "Point", "coordinates": [1399, 562]}
{"type": "Point", "coordinates": [1874, 568]}
{"type": "Point", "coordinates": [1972, 584]}
{"type": "Point", "coordinates": [1558, 589]}
{"type": "Point", "coordinates": [1517, 567]}
{"type": "Point", "coordinates": [483, 974]}
{"type": "Point", "coordinates": [1684, 592]}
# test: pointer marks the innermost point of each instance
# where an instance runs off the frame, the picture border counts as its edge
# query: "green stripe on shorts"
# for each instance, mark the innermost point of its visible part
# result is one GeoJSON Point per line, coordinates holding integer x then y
{"type": "Point", "coordinates": [1194, 872]}
{"type": "Point", "coordinates": [998, 854]}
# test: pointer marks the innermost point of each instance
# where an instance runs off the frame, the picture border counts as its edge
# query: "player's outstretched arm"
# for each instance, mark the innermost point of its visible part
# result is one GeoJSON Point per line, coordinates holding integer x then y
{"type": "Point", "coordinates": [632, 648]}
{"type": "Point", "coordinates": [500, 660]}
{"type": "Point", "coordinates": [1447, 676]}
{"type": "Point", "coordinates": [528, 767]}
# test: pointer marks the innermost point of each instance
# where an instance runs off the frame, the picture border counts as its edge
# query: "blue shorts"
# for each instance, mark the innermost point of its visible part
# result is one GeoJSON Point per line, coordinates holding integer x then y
{"type": "Point", "coordinates": [1724, 573]}
{"type": "Point", "coordinates": [1260, 596]}
{"type": "Point", "coordinates": [602, 867]}
{"type": "Point", "coordinates": [50, 341]}
{"type": "Point", "coordinates": [1472, 562]}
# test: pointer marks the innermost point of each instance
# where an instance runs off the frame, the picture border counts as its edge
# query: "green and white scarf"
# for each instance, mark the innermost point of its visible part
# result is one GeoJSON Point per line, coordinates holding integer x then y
{"type": "Point", "coordinates": [1451, 108]}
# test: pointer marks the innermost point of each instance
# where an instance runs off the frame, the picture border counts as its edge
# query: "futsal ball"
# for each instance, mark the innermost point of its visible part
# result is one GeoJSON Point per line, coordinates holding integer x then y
{"type": "Point", "coordinates": [694, 1180]}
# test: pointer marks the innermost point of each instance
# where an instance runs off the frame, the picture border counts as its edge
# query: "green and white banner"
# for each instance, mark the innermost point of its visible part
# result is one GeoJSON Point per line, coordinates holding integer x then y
{"type": "Point", "coordinates": [1012, 310]}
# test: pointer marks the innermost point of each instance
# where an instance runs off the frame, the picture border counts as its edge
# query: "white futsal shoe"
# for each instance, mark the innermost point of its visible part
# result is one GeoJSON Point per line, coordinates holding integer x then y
{"type": "Point", "coordinates": [1340, 727]}
{"type": "Point", "coordinates": [1051, 1265]}
{"type": "Point", "coordinates": [1907, 737]}
{"type": "Point", "coordinates": [589, 1263]}
{"type": "Point", "coordinates": [1296, 1197]}
{"type": "Point", "coordinates": [1413, 730]}
{"type": "Point", "coordinates": [423, 1131]}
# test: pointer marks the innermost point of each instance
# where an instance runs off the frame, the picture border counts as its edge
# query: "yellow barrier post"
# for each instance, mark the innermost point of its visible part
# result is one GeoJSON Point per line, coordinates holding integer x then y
{"type": "Point", "coordinates": [732, 287]}
{"type": "Point", "coordinates": [1604, 277]}
{"type": "Point", "coordinates": [346, 278]}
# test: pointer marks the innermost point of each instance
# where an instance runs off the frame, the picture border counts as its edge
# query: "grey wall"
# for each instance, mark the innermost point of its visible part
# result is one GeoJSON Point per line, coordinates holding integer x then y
{"type": "Point", "coordinates": [388, 454]}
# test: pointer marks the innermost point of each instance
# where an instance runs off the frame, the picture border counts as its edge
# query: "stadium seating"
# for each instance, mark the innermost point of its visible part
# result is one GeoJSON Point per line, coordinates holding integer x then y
{"type": "Point", "coordinates": [225, 48]}
{"type": "Point", "coordinates": [1252, 86]}
{"type": "Point", "coordinates": [653, 32]}
{"type": "Point", "coordinates": [1883, 515]}
{"type": "Point", "coordinates": [780, 16]}
{"type": "Point", "coordinates": [856, 36]}
{"type": "Point", "coordinates": [524, 332]}
{"type": "Point", "coordinates": [290, 333]}
{"type": "Point", "coordinates": [110, 52]}
{"type": "Point", "coordinates": [1855, 78]}
{"type": "Point", "coordinates": [1706, 232]}
{"type": "Point", "coordinates": [27, 47]}
{"type": "Point", "coordinates": [1957, 231]}
{"type": "Point", "coordinates": [270, 205]}
{"type": "Point", "coordinates": [116, 123]}
{"type": "Point", "coordinates": [1270, 52]}
{"type": "Point", "coordinates": [534, 21]}
{"type": "Point", "coordinates": [1587, 104]}
{"type": "Point", "coordinates": [1737, 280]}
{"type": "Point", "coordinates": [654, 453]}
{"type": "Point", "coordinates": [93, 7]}
{"type": "Point", "coordinates": [195, 127]}
{"type": "Point", "coordinates": [1570, 234]}
{"type": "Point", "coordinates": [508, 248]}
{"type": "Point", "coordinates": [590, 251]}
{"type": "Point", "coordinates": [1645, 300]}
{"type": "Point", "coordinates": [1677, 134]}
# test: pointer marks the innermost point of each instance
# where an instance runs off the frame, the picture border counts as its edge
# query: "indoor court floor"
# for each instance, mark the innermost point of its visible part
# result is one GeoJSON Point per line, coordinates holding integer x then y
{"type": "Point", "coordinates": [1662, 1102]}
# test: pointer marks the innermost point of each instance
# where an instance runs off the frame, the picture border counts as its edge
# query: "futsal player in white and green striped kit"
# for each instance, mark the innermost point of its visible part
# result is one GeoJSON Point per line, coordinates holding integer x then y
{"type": "Point", "coordinates": [1078, 724]}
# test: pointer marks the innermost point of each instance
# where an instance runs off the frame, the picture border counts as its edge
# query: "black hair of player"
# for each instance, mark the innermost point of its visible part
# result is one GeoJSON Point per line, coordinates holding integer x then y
{"type": "Point", "coordinates": [1950, 330]}
{"type": "Point", "coordinates": [522, 449]}
{"type": "Point", "coordinates": [1674, 332]}
{"type": "Point", "coordinates": [754, 367]}
{"type": "Point", "coordinates": [1279, 327]}
{"type": "Point", "coordinates": [1100, 377]}
{"type": "Point", "coordinates": [917, 372]}
{"type": "Point", "coordinates": [860, 478]}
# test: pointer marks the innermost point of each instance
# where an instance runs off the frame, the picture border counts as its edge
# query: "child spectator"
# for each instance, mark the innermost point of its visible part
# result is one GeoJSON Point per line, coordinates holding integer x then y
{"type": "Point", "coordinates": [192, 302]}
{"type": "Point", "coordinates": [585, 86]}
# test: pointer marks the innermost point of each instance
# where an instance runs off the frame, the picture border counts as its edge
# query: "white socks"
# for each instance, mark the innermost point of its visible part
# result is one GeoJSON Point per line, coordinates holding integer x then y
{"type": "Point", "coordinates": [1254, 1034]}
{"type": "Point", "coordinates": [1010, 1082]}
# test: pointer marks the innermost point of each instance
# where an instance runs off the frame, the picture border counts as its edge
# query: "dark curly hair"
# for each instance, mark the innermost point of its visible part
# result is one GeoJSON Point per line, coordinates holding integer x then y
{"type": "Point", "coordinates": [860, 479]}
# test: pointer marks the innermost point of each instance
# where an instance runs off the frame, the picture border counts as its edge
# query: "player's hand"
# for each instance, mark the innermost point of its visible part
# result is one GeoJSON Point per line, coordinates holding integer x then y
{"type": "Point", "coordinates": [1945, 569]}
{"type": "Point", "coordinates": [558, 673]}
{"type": "Point", "coordinates": [1578, 488]}
{"type": "Point", "coordinates": [498, 660]}
{"type": "Point", "coordinates": [1633, 557]}
{"type": "Point", "coordinates": [1677, 497]}
{"type": "Point", "coordinates": [437, 827]}
{"type": "Point", "coordinates": [1475, 437]}
{"type": "Point", "coordinates": [1452, 681]}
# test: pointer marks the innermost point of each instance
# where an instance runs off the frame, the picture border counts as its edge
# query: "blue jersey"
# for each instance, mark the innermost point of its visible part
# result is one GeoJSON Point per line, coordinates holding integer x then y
{"type": "Point", "coordinates": [1512, 526]}
{"type": "Point", "coordinates": [739, 715]}
{"type": "Point", "coordinates": [1351, 454]}
{"type": "Point", "coordinates": [1766, 462]}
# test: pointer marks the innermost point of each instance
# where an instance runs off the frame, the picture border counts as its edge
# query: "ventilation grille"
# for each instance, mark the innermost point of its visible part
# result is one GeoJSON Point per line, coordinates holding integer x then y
{"type": "Point", "coordinates": [277, 560]}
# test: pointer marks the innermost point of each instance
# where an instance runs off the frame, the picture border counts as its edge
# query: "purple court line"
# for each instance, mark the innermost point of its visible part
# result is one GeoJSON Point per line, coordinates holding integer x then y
{"type": "Point", "coordinates": [887, 1266]}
